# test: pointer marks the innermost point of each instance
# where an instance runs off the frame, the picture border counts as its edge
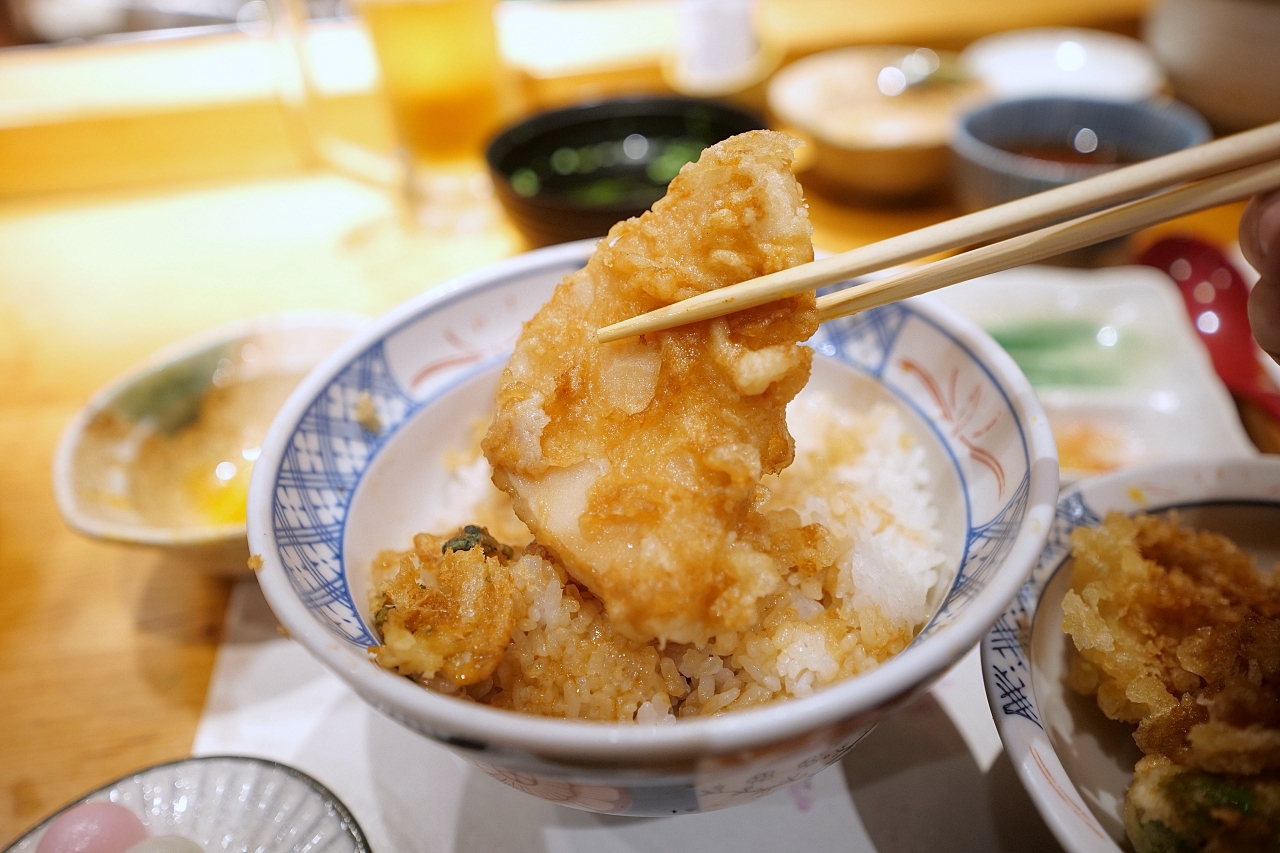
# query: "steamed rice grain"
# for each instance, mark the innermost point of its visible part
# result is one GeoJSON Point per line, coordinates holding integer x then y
{"type": "Point", "coordinates": [861, 475]}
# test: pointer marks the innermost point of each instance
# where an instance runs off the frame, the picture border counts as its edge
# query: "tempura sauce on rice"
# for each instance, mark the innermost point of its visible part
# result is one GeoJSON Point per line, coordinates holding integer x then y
{"type": "Point", "coordinates": [861, 474]}
{"type": "Point", "coordinates": [662, 545]}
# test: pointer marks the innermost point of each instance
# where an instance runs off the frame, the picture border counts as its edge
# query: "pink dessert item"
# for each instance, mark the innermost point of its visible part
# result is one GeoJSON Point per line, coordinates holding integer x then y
{"type": "Point", "coordinates": [93, 828]}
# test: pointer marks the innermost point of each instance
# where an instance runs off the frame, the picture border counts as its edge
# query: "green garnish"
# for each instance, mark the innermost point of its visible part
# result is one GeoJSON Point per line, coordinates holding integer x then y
{"type": "Point", "coordinates": [473, 535]}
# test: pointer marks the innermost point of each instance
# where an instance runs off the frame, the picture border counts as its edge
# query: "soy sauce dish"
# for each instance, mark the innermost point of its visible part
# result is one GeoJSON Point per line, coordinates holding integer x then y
{"type": "Point", "coordinates": [1010, 149]}
{"type": "Point", "coordinates": [572, 173]}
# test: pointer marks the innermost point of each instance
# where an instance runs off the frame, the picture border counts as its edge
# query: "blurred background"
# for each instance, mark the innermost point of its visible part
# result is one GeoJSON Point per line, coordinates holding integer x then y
{"type": "Point", "coordinates": [60, 22]}
{"type": "Point", "coordinates": [146, 91]}
{"type": "Point", "coordinates": [167, 166]}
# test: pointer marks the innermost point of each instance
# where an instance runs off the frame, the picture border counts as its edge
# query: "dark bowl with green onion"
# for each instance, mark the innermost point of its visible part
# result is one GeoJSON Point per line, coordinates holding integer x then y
{"type": "Point", "coordinates": [572, 173]}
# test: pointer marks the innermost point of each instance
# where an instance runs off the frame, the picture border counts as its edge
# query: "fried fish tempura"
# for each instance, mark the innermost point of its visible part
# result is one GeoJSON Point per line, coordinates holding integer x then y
{"type": "Point", "coordinates": [638, 462]}
{"type": "Point", "coordinates": [1178, 632]}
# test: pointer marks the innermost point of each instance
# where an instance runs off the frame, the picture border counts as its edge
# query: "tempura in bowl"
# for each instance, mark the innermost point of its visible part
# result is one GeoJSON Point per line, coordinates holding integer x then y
{"type": "Point", "coordinates": [1178, 632]}
{"type": "Point", "coordinates": [1162, 577]}
{"type": "Point", "coordinates": [672, 571]}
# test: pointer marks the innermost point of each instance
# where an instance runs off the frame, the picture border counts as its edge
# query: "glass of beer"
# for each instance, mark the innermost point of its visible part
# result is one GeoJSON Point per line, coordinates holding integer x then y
{"type": "Point", "coordinates": [442, 75]}
{"type": "Point", "coordinates": [448, 92]}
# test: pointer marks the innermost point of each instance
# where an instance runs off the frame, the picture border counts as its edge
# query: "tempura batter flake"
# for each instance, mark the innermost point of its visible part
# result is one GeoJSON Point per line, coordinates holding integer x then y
{"type": "Point", "coordinates": [446, 607]}
{"type": "Point", "coordinates": [1177, 631]}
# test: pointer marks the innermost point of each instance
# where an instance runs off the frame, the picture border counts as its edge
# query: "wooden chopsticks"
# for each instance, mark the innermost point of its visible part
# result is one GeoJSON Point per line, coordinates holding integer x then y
{"type": "Point", "coordinates": [1225, 170]}
{"type": "Point", "coordinates": [1047, 242]}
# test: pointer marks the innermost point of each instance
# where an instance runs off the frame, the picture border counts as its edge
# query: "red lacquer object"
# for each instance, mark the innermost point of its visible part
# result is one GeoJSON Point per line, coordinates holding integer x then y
{"type": "Point", "coordinates": [1217, 299]}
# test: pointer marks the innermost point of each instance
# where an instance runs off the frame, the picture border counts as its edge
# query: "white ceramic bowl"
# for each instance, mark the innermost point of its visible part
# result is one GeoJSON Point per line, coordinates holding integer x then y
{"type": "Point", "coordinates": [1222, 56]}
{"type": "Point", "coordinates": [227, 804]}
{"type": "Point", "coordinates": [328, 494]}
{"type": "Point", "coordinates": [1074, 762]}
{"type": "Point", "coordinates": [92, 467]}
{"type": "Point", "coordinates": [867, 136]}
{"type": "Point", "coordinates": [1065, 62]}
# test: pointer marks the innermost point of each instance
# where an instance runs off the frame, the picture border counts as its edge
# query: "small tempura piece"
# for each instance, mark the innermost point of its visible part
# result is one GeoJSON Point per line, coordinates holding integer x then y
{"type": "Point", "coordinates": [446, 608]}
{"type": "Point", "coordinates": [638, 463]}
{"type": "Point", "coordinates": [467, 617]}
{"type": "Point", "coordinates": [1175, 808]}
{"type": "Point", "coordinates": [1178, 632]}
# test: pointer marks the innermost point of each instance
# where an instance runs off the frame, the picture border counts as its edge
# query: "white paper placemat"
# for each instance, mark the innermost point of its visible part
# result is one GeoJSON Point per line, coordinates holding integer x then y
{"type": "Point", "coordinates": [931, 777]}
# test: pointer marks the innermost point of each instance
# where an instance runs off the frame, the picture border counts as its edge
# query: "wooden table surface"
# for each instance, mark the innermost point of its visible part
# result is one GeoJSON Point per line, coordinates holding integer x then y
{"type": "Point", "coordinates": [106, 650]}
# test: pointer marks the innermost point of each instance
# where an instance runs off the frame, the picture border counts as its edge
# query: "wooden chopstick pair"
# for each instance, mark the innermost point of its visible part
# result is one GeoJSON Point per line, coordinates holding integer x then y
{"type": "Point", "coordinates": [1226, 170]}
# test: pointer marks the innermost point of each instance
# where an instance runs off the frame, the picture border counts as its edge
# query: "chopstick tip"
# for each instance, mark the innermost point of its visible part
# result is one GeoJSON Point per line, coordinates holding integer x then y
{"type": "Point", "coordinates": [611, 333]}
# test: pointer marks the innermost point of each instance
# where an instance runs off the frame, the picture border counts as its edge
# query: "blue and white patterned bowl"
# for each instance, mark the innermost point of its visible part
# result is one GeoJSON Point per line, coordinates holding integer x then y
{"type": "Point", "coordinates": [1075, 763]}
{"type": "Point", "coordinates": [328, 494]}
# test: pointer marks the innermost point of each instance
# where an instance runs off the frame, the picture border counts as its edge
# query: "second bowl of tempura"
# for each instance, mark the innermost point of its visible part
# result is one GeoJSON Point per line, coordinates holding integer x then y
{"type": "Point", "coordinates": [614, 576]}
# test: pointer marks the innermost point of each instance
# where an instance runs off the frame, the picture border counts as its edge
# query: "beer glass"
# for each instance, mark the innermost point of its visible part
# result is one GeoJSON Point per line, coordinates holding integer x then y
{"type": "Point", "coordinates": [441, 72]}
{"type": "Point", "coordinates": [448, 92]}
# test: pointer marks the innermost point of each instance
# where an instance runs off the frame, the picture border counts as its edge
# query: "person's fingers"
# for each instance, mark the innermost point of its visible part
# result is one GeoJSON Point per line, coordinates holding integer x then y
{"type": "Point", "coordinates": [1264, 301]}
{"type": "Point", "coordinates": [1260, 229]}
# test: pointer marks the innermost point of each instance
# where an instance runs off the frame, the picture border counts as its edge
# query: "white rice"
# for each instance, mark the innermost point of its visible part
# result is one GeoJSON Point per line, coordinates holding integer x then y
{"type": "Point", "coordinates": [862, 475]}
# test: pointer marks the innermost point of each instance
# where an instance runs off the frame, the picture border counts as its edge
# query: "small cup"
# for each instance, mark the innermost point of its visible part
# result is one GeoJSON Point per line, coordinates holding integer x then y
{"type": "Point", "coordinates": [572, 173]}
{"type": "Point", "coordinates": [1222, 57]}
{"type": "Point", "coordinates": [447, 91]}
{"type": "Point", "coordinates": [877, 117]}
{"type": "Point", "coordinates": [1011, 149]}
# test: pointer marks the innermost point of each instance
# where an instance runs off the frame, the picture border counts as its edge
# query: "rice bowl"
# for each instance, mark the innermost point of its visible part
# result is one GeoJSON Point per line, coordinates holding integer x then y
{"type": "Point", "coordinates": [330, 495]}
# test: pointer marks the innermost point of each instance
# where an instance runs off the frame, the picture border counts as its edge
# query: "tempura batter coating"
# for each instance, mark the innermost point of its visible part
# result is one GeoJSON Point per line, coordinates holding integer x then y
{"type": "Point", "coordinates": [638, 462]}
{"type": "Point", "coordinates": [1178, 632]}
{"type": "Point", "coordinates": [1171, 808]}
{"type": "Point", "coordinates": [446, 608]}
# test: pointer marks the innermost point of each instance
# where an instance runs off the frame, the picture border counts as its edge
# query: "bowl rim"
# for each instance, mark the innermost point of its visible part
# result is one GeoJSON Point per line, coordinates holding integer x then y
{"type": "Point", "coordinates": [967, 146]}
{"type": "Point", "coordinates": [63, 470]}
{"type": "Point", "coordinates": [331, 799]}
{"type": "Point", "coordinates": [799, 124]}
{"type": "Point", "coordinates": [466, 723]}
{"type": "Point", "coordinates": [1040, 770]}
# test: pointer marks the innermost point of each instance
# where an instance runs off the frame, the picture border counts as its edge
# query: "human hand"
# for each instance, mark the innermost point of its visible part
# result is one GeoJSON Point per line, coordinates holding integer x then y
{"type": "Point", "coordinates": [1260, 242]}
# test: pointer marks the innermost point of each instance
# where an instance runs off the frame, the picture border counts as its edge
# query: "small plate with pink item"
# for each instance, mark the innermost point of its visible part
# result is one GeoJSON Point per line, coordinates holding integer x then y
{"type": "Point", "coordinates": [211, 803]}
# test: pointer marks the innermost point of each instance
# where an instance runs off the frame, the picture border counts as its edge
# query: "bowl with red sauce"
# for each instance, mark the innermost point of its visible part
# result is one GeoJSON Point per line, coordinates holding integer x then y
{"type": "Point", "coordinates": [1010, 149]}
